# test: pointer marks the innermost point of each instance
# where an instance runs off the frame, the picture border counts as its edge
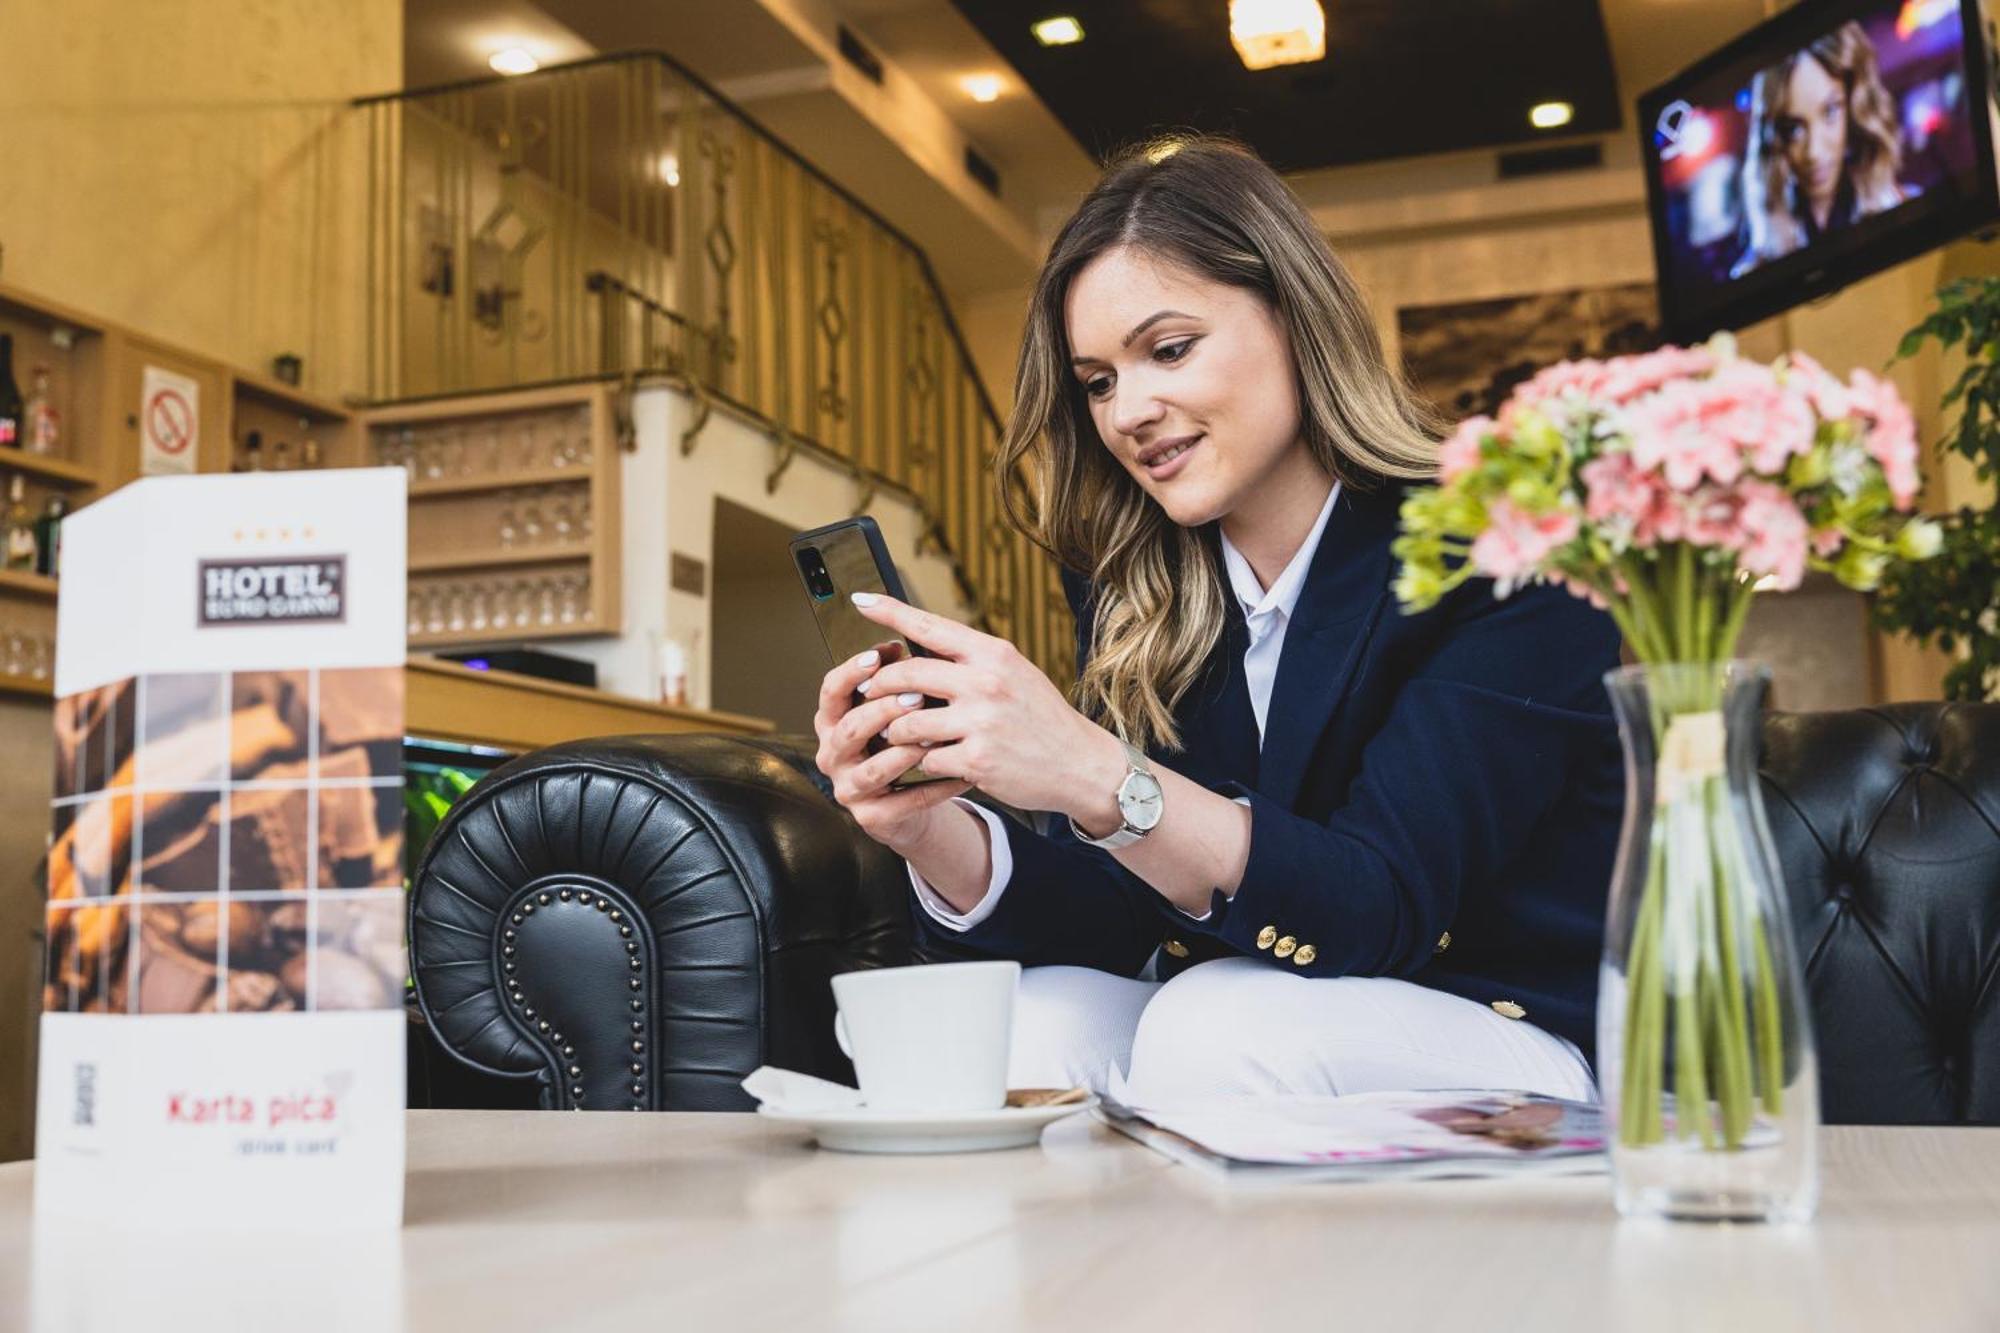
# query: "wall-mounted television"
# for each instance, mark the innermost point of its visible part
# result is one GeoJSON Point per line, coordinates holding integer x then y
{"type": "Point", "coordinates": [1830, 142]}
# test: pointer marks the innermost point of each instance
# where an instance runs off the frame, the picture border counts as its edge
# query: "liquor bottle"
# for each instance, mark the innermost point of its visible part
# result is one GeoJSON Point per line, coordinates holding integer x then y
{"type": "Point", "coordinates": [253, 452]}
{"type": "Point", "coordinates": [309, 454]}
{"type": "Point", "coordinates": [48, 536]}
{"type": "Point", "coordinates": [281, 457]}
{"type": "Point", "coordinates": [12, 408]}
{"type": "Point", "coordinates": [19, 542]}
{"type": "Point", "coordinates": [42, 425]}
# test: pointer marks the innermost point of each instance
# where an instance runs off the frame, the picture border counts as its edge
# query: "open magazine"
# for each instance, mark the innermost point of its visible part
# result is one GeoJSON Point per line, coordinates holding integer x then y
{"type": "Point", "coordinates": [1373, 1135]}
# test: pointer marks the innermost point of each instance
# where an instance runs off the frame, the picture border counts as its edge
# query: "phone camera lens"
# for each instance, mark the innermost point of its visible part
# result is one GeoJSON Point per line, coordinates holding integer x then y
{"type": "Point", "coordinates": [813, 568]}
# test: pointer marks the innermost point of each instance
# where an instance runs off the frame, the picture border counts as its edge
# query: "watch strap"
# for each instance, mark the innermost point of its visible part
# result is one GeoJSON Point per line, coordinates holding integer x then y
{"type": "Point", "coordinates": [1125, 834]}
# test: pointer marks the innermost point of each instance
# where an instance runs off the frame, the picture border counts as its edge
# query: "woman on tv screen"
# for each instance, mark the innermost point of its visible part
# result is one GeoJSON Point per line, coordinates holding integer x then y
{"type": "Point", "coordinates": [1824, 149]}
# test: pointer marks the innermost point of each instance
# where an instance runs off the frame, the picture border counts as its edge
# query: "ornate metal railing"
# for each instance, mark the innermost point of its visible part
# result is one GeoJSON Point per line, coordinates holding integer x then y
{"type": "Point", "coordinates": [618, 217]}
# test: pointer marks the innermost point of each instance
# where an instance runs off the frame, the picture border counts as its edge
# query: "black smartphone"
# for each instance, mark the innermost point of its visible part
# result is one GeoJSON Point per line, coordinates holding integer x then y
{"type": "Point", "coordinates": [849, 557]}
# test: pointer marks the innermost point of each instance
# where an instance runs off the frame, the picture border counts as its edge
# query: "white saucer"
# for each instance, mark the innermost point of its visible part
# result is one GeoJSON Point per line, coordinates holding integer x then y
{"type": "Point", "coordinates": [863, 1130]}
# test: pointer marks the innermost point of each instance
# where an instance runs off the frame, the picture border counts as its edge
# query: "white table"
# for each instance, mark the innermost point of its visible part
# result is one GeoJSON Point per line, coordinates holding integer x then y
{"type": "Point", "coordinates": [545, 1221]}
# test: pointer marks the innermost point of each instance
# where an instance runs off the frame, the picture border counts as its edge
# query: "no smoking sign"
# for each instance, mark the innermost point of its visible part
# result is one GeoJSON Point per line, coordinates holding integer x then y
{"type": "Point", "coordinates": [169, 422]}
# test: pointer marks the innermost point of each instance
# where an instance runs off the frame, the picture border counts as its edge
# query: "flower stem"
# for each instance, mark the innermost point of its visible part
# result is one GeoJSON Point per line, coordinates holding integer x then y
{"type": "Point", "coordinates": [1733, 1081]}
{"type": "Point", "coordinates": [1770, 1037]}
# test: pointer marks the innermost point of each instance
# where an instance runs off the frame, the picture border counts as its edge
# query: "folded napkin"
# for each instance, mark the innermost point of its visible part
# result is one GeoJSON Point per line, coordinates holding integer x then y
{"type": "Point", "coordinates": [789, 1090]}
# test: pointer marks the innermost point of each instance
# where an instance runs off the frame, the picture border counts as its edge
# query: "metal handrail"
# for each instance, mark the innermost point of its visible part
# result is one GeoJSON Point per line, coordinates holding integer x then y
{"type": "Point", "coordinates": [797, 158]}
{"type": "Point", "coordinates": [765, 286]}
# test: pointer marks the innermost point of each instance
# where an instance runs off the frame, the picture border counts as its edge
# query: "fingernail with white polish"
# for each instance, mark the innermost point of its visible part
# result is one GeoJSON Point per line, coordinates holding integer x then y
{"type": "Point", "coordinates": [869, 658]}
{"type": "Point", "coordinates": [862, 688]}
{"type": "Point", "coordinates": [910, 700]}
{"type": "Point", "coordinates": [864, 598]}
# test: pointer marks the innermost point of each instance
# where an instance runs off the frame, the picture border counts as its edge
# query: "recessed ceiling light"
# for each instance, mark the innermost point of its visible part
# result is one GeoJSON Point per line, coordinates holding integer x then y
{"type": "Point", "coordinates": [1058, 31]}
{"type": "Point", "coordinates": [513, 60]}
{"type": "Point", "coordinates": [981, 87]}
{"type": "Point", "coordinates": [1277, 32]}
{"type": "Point", "coordinates": [1551, 115]}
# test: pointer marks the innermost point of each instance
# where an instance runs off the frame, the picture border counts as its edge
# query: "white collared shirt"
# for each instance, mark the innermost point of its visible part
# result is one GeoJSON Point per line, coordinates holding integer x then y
{"type": "Point", "coordinates": [1266, 614]}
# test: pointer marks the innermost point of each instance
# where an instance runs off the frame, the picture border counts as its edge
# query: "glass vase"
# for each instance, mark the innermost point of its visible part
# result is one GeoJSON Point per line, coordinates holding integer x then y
{"type": "Point", "coordinates": [1705, 1043]}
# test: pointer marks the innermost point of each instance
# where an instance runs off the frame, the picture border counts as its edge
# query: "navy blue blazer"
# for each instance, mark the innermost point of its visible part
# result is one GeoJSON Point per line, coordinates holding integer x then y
{"type": "Point", "coordinates": [1437, 798]}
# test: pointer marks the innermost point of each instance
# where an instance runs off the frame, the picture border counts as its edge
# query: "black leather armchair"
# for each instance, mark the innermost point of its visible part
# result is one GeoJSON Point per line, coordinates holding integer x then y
{"type": "Point", "coordinates": [637, 922]}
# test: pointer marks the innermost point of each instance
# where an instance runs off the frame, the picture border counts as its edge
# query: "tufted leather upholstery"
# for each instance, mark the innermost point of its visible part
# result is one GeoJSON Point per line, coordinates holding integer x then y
{"type": "Point", "coordinates": [1887, 824]}
{"type": "Point", "coordinates": [640, 921]}
{"type": "Point", "coordinates": [745, 888]}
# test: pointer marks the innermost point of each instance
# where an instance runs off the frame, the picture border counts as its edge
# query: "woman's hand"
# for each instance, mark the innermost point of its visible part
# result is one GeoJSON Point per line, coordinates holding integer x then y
{"type": "Point", "coordinates": [898, 820]}
{"type": "Point", "coordinates": [1005, 728]}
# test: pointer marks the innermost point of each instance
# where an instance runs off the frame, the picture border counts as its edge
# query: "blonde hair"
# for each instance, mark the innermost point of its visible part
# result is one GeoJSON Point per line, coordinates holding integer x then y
{"type": "Point", "coordinates": [1211, 207]}
{"type": "Point", "coordinates": [1874, 145]}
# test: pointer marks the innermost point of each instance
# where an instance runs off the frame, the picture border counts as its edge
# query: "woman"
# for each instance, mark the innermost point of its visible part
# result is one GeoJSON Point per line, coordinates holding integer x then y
{"type": "Point", "coordinates": [1370, 850]}
{"type": "Point", "coordinates": [1824, 150]}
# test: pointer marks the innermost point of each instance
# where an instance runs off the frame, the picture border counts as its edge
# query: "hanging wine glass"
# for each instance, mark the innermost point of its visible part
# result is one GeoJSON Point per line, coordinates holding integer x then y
{"type": "Point", "coordinates": [454, 450]}
{"type": "Point", "coordinates": [510, 530]}
{"type": "Point", "coordinates": [532, 531]}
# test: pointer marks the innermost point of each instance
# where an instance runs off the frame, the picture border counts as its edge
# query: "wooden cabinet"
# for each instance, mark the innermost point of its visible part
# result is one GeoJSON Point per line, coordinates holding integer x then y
{"type": "Point", "coordinates": [77, 353]}
{"type": "Point", "coordinates": [514, 497]}
{"type": "Point", "coordinates": [514, 513]}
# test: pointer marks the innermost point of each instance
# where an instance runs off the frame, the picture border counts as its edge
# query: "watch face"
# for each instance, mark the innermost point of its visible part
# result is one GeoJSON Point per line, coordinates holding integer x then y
{"type": "Point", "coordinates": [1139, 800]}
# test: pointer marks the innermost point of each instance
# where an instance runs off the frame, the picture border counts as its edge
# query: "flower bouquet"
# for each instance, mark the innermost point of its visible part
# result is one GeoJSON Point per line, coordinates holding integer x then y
{"type": "Point", "coordinates": [1668, 489]}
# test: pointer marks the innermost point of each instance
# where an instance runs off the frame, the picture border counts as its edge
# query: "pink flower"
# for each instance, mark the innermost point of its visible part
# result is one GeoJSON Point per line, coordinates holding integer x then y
{"type": "Point", "coordinates": [1891, 434]}
{"type": "Point", "coordinates": [1769, 419]}
{"type": "Point", "coordinates": [1712, 516]}
{"type": "Point", "coordinates": [1578, 588]}
{"type": "Point", "coordinates": [1711, 427]}
{"type": "Point", "coordinates": [1625, 499]}
{"type": "Point", "coordinates": [1627, 377]}
{"type": "Point", "coordinates": [1827, 541]}
{"type": "Point", "coordinates": [1680, 432]}
{"type": "Point", "coordinates": [1828, 395]}
{"type": "Point", "coordinates": [1614, 382]}
{"type": "Point", "coordinates": [1564, 377]}
{"type": "Point", "coordinates": [1460, 454]}
{"type": "Point", "coordinates": [1775, 534]}
{"type": "Point", "coordinates": [1516, 542]}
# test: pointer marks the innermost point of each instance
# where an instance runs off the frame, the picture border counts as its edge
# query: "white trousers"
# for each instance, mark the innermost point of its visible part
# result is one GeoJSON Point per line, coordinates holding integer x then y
{"type": "Point", "coordinates": [1239, 1027]}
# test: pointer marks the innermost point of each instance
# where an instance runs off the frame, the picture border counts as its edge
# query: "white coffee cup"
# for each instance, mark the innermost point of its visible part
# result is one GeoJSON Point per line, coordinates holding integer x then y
{"type": "Point", "coordinates": [929, 1038]}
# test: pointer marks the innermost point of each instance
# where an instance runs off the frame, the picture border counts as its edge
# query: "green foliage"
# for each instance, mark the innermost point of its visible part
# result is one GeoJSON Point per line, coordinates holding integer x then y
{"type": "Point", "coordinates": [427, 797]}
{"type": "Point", "coordinates": [1952, 602]}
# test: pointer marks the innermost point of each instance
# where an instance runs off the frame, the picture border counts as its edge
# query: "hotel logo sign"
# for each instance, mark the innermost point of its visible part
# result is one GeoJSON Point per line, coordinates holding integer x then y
{"type": "Point", "coordinates": [302, 590]}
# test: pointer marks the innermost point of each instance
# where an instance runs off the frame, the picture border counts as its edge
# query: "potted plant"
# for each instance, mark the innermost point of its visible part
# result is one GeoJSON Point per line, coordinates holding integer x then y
{"type": "Point", "coordinates": [1953, 602]}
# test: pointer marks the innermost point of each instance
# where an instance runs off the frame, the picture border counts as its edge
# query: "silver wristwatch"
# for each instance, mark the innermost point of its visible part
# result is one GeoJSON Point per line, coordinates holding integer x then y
{"type": "Point", "coordinates": [1139, 805]}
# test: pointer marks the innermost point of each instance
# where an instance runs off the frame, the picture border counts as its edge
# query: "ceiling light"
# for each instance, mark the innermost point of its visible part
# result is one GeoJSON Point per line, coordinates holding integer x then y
{"type": "Point", "coordinates": [670, 168]}
{"type": "Point", "coordinates": [981, 87]}
{"type": "Point", "coordinates": [513, 60]}
{"type": "Point", "coordinates": [1277, 32]}
{"type": "Point", "coordinates": [1059, 31]}
{"type": "Point", "coordinates": [1551, 115]}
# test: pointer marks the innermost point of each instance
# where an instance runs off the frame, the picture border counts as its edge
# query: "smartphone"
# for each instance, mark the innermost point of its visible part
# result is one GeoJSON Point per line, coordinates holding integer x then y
{"type": "Point", "coordinates": [848, 557]}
